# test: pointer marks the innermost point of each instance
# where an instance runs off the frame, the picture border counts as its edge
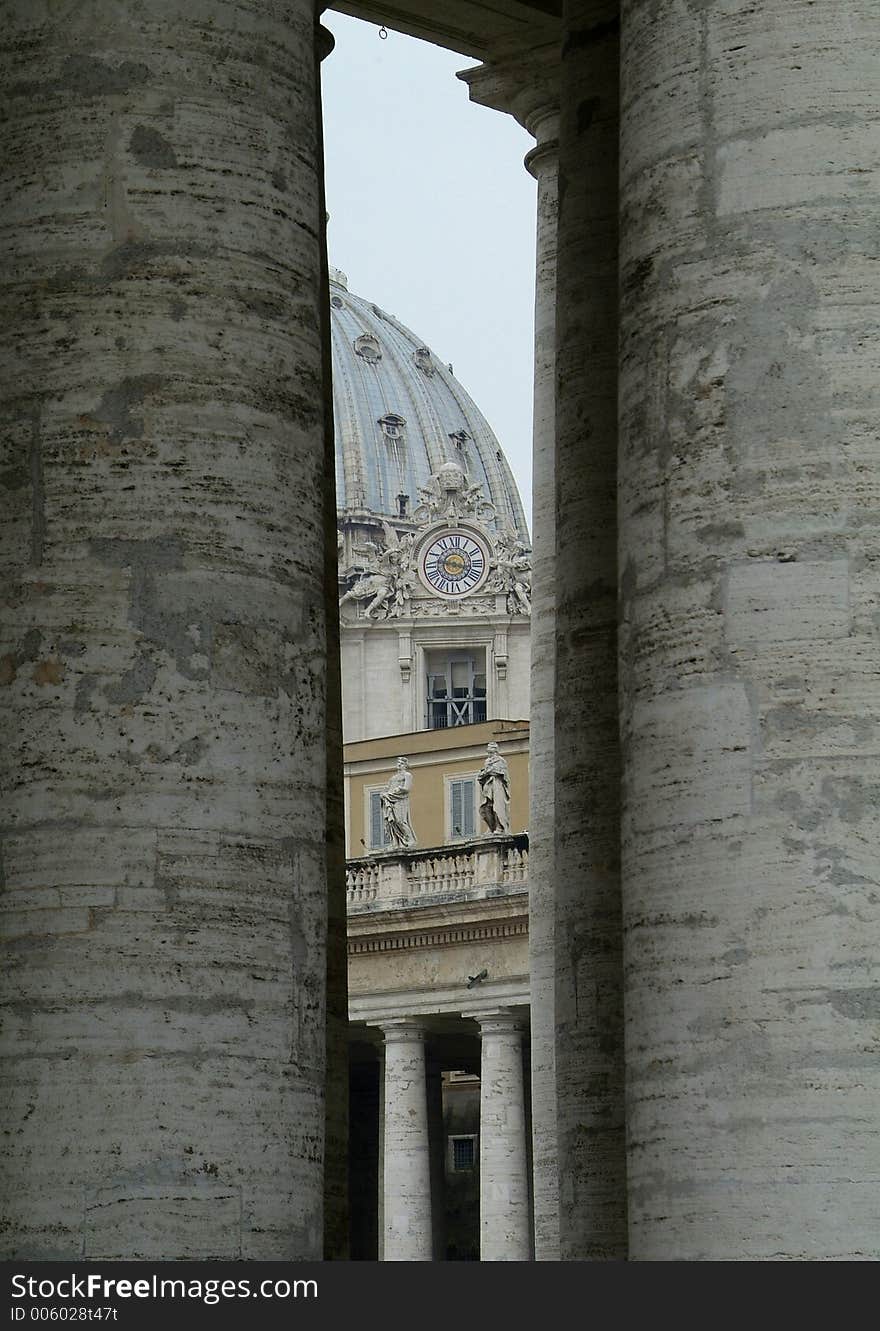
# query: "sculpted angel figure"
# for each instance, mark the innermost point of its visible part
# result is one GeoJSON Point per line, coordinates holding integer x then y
{"type": "Point", "coordinates": [494, 779]}
{"type": "Point", "coordinates": [394, 800]}
{"type": "Point", "coordinates": [386, 576]}
{"type": "Point", "coordinates": [398, 554]}
{"type": "Point", "coordinates": [374, 586]}
{"type": "Point", "coordinates": [513, 573]}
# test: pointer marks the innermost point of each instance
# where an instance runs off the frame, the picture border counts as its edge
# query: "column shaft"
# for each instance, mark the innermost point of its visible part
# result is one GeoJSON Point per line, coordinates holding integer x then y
{"type": "Point", "coordinates": [407, 1157]}
{"type": "Point", "coordinates": [526, 84]}
{"type": "Point", "coordinates": [750, 698]}
{"type": "Point", "coordinates": [588, 953]}
{"type": "Point", "coordinates": [543, 163]}
{"type": "Point", "coordinates": [505, 1228]}
{"type": "Point", "coordinates": [165, 660]}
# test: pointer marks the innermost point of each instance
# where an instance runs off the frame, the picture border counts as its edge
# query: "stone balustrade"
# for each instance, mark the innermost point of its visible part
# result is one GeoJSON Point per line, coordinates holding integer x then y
{"type": "Point", "coordinates": [470, 868]}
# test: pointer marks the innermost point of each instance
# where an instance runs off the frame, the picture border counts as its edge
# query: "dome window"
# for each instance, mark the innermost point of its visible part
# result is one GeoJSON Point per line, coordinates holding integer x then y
{"type": "Point", "coordinates": [367, 347]}
{"type": "Point", "coordinates": [392, 425]}
{"type": "Point", "coordinates": [459, 438]}
{"type": "Point", "coordinates": [337, 302]}
{"type": "Point", "coordinates": [424, 360]}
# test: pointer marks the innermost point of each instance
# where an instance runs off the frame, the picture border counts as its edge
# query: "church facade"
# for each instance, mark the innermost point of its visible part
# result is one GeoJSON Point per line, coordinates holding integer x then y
{"type": "Point", "coordinates": [703, 698]}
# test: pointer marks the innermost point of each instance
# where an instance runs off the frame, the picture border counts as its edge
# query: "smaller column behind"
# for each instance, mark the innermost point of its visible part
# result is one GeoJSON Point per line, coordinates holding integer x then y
{"type": "Point", "coordinates": [505, 1229]}
{"type": "Point", "coordinates": [407, 1167]}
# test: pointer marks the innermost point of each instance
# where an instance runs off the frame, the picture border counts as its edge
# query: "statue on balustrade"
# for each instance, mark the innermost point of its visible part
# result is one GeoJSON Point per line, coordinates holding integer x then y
{"type": "Point", "coordinates": [494, 779]}
{"type": "Point", "coordinates": [395, 806]}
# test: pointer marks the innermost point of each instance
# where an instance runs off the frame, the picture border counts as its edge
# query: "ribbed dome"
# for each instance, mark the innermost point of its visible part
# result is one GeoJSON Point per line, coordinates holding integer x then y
{"type": "Point", "coordinates": [400, 415]}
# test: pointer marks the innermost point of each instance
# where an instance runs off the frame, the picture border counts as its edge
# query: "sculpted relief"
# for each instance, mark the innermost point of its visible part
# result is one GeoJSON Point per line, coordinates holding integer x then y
{"type": "Point", "coordinates": [385, 579]}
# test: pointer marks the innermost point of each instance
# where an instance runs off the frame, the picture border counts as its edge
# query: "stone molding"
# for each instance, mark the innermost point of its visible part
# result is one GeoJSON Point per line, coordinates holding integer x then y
{"type": "Point", "coordinates": [475, 933]}
{"type": "Point", "coordinates": [499, 1021]}
{"type": "Point", "coordinates": [522, 82]}
{"type": "Point", "coordinates": [403, 1030]}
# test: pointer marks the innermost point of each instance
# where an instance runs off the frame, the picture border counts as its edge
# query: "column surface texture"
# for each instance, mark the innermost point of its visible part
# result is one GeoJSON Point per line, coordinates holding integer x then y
{"type": "Point", "coordinates": [542, 162]}
{"type": "Point", "coordinates": [749, 548]}
{"type": "Point", "coordinates": [407, 1160]}
{"type": "Point", "coordinates": [164, 659]}
{"type": "Point", "coordinates": [525, 84]}
{"type": "Point", "coordinates": [336, 1126]}
{"type": "Point", "coordinates": [505, 1226]}
{"type": "Point", "coordinates": [588, 922]}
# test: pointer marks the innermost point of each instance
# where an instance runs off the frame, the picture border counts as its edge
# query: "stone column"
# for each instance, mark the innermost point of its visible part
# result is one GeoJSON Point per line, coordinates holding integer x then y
{"type": "Point", "coordinates": [526, 85]}
{"type": "Point", "coordinates": [748, 578]}
{"type": "Point", "coordinates": [505, 1223]}
{"type": "Point", "coordinates": [164, 663]}
{"type": "Point", "coordinates": [336, 1142]}
{"type": "Point", "coordinates": [436, 1144]}
{"type": "Point", "coordinates": [586, 792]}
{"type": "Point", "coordinates": [407, 1157]}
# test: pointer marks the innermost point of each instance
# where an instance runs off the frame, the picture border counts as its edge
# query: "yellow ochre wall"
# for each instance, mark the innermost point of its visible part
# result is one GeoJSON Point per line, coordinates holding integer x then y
{"type": "Point", "coordinates": [433, 755]}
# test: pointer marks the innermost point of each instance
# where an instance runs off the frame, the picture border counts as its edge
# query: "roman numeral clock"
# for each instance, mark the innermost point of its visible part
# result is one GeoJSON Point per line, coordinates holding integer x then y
{"type": "Point", "coordinates": [453, 563]}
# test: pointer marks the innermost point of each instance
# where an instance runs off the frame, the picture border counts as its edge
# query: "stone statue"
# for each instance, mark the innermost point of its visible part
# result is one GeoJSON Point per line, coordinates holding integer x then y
{"type": "Point", "coordinates": [395, 806]}
{"type": "Point", "coordinates": [385, 578]}
{"type": "Point", "coordinates": [513, 573]}
{"type": "Point", "coordinates": [494, 779]}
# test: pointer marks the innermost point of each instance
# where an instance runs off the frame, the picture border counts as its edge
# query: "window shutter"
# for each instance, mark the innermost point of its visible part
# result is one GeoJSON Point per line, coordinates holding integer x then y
{"type": "Point", "coordinates": [462, 810]}
{"type": "Point", "coordinates": [457, 815]}
{"type": "Point", "coordinates": [377, 826]}
{"type": "Point", "coordinates": [467, 799]}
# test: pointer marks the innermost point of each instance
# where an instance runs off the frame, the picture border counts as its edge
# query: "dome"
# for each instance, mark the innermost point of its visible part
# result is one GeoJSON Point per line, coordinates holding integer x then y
{"type": "Point", "coordinates": [400, 416]}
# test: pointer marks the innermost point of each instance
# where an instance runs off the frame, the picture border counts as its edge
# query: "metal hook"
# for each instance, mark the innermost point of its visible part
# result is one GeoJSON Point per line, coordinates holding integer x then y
{"type": "Point", "coordinates": [383, 33]}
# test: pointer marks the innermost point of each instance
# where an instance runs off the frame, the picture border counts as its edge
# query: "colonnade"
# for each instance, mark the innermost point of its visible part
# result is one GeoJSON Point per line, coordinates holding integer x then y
{"type": "Point", "coordinates": [705, 914]}
{"type": "Point", "coordinates": [410, 1152]}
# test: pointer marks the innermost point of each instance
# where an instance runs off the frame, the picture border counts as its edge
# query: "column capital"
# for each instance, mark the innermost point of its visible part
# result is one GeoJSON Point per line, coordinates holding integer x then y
{"type": "Point", "coordinates": [403, 1029]}
{"type": "Point", "coordinates": [524, 82]}
{"type": "Point", "coordinates": [499, 1021]}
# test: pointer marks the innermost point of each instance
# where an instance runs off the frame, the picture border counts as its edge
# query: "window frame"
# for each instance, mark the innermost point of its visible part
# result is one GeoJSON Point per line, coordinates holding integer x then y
{"type": "Point", "coordinates": [369, 792]}
{"type": "Point", "coordinates": [454, 1137]}
{"type": "Point", "coordinates": [450, 779]}
{"type": "Point", "coordinates": [453, 656]}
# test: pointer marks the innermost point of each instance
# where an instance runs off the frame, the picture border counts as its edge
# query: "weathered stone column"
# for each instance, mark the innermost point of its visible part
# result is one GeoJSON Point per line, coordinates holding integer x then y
{"type": "Point", "coordinates": [337, 1220]}
{"type": "Point", "coordinates": [165, 778]}
{"type": "Point", "coordinates": [750, 695]}
{"type": "Point", "coordinates": [436, 1144]}
{"type": "Point", "coordinates": [407, 1157]}
{"type": "Point", "coordinates": [505, 1223]}
{"type": "Point", "coordinates": [588, 954]}
{"type": "Point", "coordinates": [525, 84]}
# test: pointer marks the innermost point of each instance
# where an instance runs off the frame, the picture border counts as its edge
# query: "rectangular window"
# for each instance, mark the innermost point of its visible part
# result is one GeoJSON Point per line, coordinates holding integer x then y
{"type": "Point", "coordinates": [379, 836]}
{"type": "Point", "coordinates": [456, 688]}
{"type": "Point", "coordinates": [462, 807]}
{"type": "Point", "coordinates": [464, 1152]}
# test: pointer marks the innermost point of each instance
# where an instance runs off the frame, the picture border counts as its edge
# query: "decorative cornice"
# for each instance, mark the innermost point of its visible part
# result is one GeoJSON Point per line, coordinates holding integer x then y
{"type": "Point", "coordinates": [444, 937]}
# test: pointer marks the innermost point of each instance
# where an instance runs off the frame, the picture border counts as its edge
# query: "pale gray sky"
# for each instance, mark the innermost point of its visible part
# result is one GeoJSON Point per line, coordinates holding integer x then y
{"type": "Point", "coordinates": [432, 215]}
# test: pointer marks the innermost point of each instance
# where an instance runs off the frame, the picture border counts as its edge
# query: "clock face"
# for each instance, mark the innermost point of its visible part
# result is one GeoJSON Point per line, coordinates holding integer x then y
{"type": "Point", "coordinates": [454, 564]}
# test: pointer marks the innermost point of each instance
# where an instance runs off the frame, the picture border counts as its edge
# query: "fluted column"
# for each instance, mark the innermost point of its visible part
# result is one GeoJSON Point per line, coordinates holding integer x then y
{"type": "Point", "coordinates": [505, 1223]}
{"type": "Point", "coordinates": [749, 589]}
{"type": "Point", "coordinates": [407, 1158]}
{"type": "Point", "coordinates": [165, 659]}
{"type": "Point", "coordinates": [525, 84]}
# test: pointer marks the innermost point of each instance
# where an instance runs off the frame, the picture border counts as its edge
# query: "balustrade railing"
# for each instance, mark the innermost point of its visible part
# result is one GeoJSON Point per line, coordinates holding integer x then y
{"type": "Point", "coordinates": [418, 875]}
